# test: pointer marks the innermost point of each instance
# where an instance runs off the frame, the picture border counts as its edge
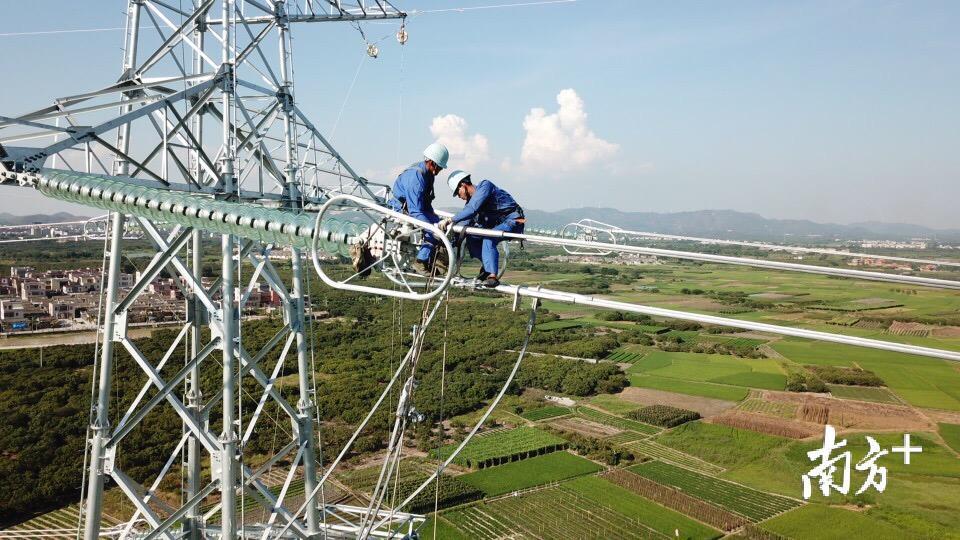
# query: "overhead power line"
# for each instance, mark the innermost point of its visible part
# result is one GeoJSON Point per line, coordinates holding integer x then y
{"type": "Point", "coordinates": [73, 31]}
{"type": "Point", "coordinates": [412, 13]}
{"type": "Point", "coordinates": [495, 6]}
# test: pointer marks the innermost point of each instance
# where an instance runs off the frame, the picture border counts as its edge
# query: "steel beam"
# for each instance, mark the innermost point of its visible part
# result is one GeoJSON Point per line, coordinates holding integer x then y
{"type": "Point", "coordinates": [571, 298]}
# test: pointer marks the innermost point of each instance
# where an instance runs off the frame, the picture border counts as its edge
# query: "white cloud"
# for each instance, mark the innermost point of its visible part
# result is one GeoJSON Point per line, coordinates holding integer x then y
{"type": "Point", "coordinates": [466, 151]}
{"type": "Point", "coordinates": [561, 141]}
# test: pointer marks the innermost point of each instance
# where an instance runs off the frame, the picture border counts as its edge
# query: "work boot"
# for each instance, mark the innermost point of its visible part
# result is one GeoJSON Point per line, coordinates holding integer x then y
{"type": "Point", "coordinates": [362, 259]}
{"type": "Point", "coordinates": [424, 266]}
{"type": "Point", "coordinates": [491, 282]}
{"type": "Point", "coordinates": [441, 260]}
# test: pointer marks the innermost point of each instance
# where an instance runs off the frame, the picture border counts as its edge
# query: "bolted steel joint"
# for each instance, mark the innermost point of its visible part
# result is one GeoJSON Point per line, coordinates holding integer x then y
{"type": "Point", "coordinates": [306, 406]}
{"type": "Point", "coordinates": [227, 78]}
{"type": "Point", "coordinates": [285, 98]}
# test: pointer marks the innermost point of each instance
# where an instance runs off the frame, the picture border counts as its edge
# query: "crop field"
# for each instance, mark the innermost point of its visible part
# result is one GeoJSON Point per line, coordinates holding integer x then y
{"type": "Point", "coordinates": [613, 404]}
{"type": "Point", "coordinates": [726, 446]}
{"type": "Point", "coordinates": [833, 523]}
{"type": "Point", "coordinates": [252, 511]}
{"type": "Point", "coordinates": [665, 453]}
{"type": "Point", "coordinates": [735, 310]}
{"type": "Point", "coordinates": [61, 524]}
{"type": "Point", "coordinates": [543, 413]}
{"type": "Point", "coordinates": [687, 336]}
{"type": "Point", "coordinates": [951, 434]}
{"type": "Point", "coordinates": [860, 305]}
{"type": "Point", "coordinates": [665, 416]}
{"type": "Point", "coordinates": [651, 329]}
{"type": "Point", "coordinates": [628, 503]}
{"type": "Point", "coordinates": [767, 425]}
{"type": "Point", "coordinates": [531, 472]}
{"type": "Point", "coordinates": [676, 500]}
{"type": "Point", "coordinates": [780, 409]}
{"type": "Point", "coordinates": [366, 478]}
{"type": "Point", "coordinates": [693, 388]}
{"type": "Point", "coordinates": [744, 343]}
{"type": "Point", "coordinates": [863, 393]}
{"type": "Point", "coordinates": [844, 320]}
{"type": "Point", "coordinates": [504, 446]}
{"type": "Point", "coordinates": [451, 491]}
{"type": "Point", "coordinates": [544, 514]}
{"type": "Point", "coordinates": [624, 356]}
{"type": "Point", "coordinates": [561, 324]}
{"type": "Point", "coordinates": [616, 421]}
{"type": "Point", "coordinates": [920, 499]}
{"type": "Point", "coordinates": [935, 460]}
{"type": "Point", "coordinates": [712, 368]}
{"type": "Point", "coordinates": [753, 504]}
{"type": "Point", "coordinates": [625, 437]}
{"type": "Point", "coordinates": [922, 382]}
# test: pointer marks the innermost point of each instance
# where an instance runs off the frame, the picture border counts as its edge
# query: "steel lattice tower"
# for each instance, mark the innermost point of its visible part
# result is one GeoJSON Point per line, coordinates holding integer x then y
{"type": "Point", "coordinates": [215, 140]}
{"type": "Point", "coordinates": [210, 110]}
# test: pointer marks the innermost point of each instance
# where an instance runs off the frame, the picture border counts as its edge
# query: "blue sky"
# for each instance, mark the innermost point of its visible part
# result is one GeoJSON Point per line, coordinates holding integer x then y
{"type": "Point", "coordinates": [837, 111]}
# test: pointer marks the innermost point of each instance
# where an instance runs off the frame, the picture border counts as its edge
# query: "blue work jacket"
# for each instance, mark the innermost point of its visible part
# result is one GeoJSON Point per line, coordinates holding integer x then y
{"type": "Point", "coordinates": [489, 206]}
{"type": "Point", "coordinates": [413, 193]}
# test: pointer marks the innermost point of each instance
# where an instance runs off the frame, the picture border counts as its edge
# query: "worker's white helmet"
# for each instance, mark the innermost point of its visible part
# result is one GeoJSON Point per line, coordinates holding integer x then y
{"type": "Point", "coordinates": [438, 154]}
{"type": "Point", "coordinates": [455, 178]}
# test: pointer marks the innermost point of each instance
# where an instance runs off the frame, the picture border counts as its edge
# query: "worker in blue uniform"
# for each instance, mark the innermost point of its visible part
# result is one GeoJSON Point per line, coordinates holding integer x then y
{"type": "Point", "coordinates": [489, 207]}
{"type": "Point", "coordinates": [413, 195]}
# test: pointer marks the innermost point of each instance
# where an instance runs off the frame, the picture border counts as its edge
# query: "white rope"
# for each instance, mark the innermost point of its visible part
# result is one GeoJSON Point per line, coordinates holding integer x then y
{"type": "Point", "coordinates": [391, 467]}
{"type": "Point", "coordinates": [73, 31]}
{"type": "Point", "coordinates": [516, 366]}
{"type": "Point", "coordinates": [494, 6]}
{"type": "Point", "coordinates": [411, 13]}
{"type": "Point", "coordinates": [443, 373]}
{"type": "Point", "coordinates": [346, 447]}
{"type": "Point", "coordinates": [346, 98]}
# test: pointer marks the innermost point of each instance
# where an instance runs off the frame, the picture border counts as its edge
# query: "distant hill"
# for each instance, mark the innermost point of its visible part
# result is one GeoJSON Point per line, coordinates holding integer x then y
{"type": "Point", "coordinates": [10, 219]}
{"type": "Point", "coordinates": [730, 224]}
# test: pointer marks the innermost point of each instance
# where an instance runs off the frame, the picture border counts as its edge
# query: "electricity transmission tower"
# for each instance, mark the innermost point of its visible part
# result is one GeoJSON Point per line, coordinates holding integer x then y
{"type": "Point", "coordinates": [205, 105]}
{"type": "Point", "coordinates": [202, 132]}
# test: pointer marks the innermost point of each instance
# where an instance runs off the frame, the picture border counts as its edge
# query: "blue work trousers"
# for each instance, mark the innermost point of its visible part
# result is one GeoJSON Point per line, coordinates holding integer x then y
{"type": "Point", "coordinates": [429, 245]}
{"type": "Point", "coordinates": [485, 249]}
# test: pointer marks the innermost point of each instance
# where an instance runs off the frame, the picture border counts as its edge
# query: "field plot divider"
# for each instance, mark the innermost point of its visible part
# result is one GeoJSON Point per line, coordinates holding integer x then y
{"type": "Point", "coordinates": [524, 491]}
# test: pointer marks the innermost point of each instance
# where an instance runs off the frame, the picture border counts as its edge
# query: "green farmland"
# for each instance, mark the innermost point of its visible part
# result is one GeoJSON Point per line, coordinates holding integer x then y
{"type": "Point", "coordinates": [652, 515]}
{"type": "Point", "coordinates": [505, 446]}
{"type": "Point", "coordinates": [923, 382]}
{"type": "Point", "coordinates": [543, 413]}
{"type": "Point", "coordinates": [613, 404]}
{"type": "Point", "coordinates": [656, 450]}
{"type": "Point", "coordinates": [836, 523]}
{"type": "Point", "coordinates": [550, 513]}
{"type": "Point", "coordinates": [951, 434]}
{"type": "Point", "coordinates": [670, 384]}
{"type": "Point", "coordinates": [624, 356]}
{"type": "Point", "coordinates": [712, 368]}
{"type": "Point", "coordinates": [863, 393]}
{"type": "Point", "coordinates": [528, 473]}
{"type": "Point", "coordinates": [745, 501]}
{"type": "Point", "coordinates": [689, 470]}
{"type": "Point", "coordinates": [616, 421]}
